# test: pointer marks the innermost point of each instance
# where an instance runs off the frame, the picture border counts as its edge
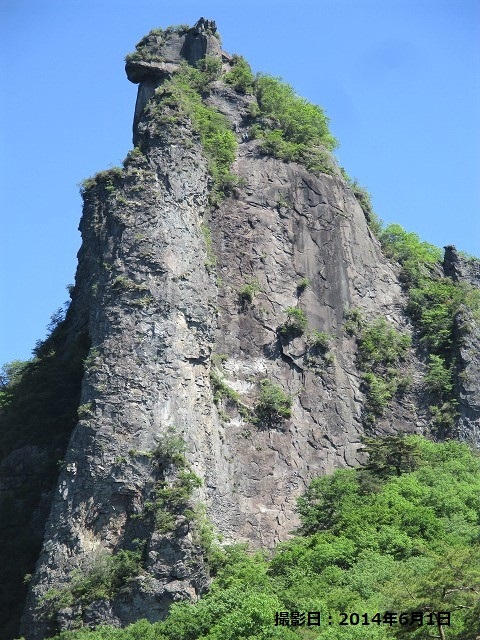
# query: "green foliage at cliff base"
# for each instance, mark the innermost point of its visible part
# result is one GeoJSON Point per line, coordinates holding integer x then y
{"type": "Point", "coordinates": [400, 534]}
{"type": "Point", "coordinates": [106, 576]}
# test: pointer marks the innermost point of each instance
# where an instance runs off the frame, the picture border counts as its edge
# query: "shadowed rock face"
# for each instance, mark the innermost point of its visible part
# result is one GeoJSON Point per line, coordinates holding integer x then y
{"type": "Point", "coordinates": [467, 347]}
{"type": "Point", "coordinates": [161, 319]}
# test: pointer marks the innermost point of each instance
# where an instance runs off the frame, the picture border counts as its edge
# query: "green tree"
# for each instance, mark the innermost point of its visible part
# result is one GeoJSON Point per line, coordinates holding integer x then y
{"type": "Point", "coordinates": [439, 376]}
{"type": "Point", "coordinates": [415, 256]}
{"type": "Point", "coordinates": [326, 500]}
{"type": "Point", "coordinates": [449, 582]}
{"type": "Point", "coordinates": [10, 376]}
{"type": "Point", "coordinates": [273, 405]}
{"type": "Point", "coordinates": [410, 545]}
{"type": "Point", "coordinates": [379, 344]}
{"type": "Point", "coordinates": [390, 455]}
{"type": "Point", "coordinates": [296, 323]}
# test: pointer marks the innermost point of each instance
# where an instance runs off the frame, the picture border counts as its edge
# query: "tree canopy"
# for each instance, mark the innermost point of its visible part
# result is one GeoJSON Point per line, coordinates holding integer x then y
{"type": "Point", "coordinates": [398, 537]}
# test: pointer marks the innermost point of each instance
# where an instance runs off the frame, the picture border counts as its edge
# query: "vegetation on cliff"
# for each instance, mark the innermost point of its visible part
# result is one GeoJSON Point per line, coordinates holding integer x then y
{"type": "Point", "coordinates": [38, 410]}
{"type": "Point", "coordinates": [182, 96]}
{"type": "Point", "coordinates": [287, 126]}
{"type": "Point", "coordinates": [146, 50]}
{"type": "Point", "coordinates": [381, 349]}
{"type": "Point", "coordinates": [433, 304]}
{"type": "Point", "coordinates": [397, 536]}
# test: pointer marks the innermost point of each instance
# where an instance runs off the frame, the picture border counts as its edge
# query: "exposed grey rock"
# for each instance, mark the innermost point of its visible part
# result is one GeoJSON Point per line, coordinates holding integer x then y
{"type": "Point", "coordinates": [158, 56]}
{"type": "Point", "coordinates": [466, 347]}
{"type": "Point", "coordinates": [68, 617]}
{"type": "Point", "coordinates": [200, 41]}
{"type": "Point", "coordinates": [99, 612]}
{"type": "Point", "coordinates": [461, 267]}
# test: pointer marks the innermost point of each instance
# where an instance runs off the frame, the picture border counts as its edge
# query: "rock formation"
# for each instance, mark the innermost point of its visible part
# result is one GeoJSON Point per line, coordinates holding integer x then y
{"type": "Point", "coordinates": [188, 311]}
{"type": "Point", "coordinates": [467, 346]}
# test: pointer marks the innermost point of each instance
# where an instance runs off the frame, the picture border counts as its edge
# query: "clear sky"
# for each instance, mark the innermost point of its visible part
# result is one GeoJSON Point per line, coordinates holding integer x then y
{"type": "Point", "coordinates": [398, 78]}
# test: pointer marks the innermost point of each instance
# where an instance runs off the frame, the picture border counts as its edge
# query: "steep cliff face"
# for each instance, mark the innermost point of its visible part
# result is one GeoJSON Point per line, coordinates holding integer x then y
{"type": "Point", "coordinates": [220, 326]}
{"type": "Point", "coordinates": [467, 346]}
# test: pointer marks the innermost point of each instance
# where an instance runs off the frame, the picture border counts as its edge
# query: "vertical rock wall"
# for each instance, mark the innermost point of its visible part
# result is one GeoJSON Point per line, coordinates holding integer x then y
{"type": "Point", "coordinates": [152, 322]}
{"type": "Point", "coordinates": [317, 233]}
{"type": "Point", "coordinates": [466, 347]}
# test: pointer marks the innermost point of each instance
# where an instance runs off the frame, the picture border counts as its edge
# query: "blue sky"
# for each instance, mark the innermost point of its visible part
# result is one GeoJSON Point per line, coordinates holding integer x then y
{"type": "Point", "coordinates": [398, 78]}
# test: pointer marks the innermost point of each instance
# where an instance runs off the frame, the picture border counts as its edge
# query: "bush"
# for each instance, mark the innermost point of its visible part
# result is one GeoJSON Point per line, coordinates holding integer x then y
{"type": "Point", "coordinates": [176, 481]}
{"type": "Point", "coordinates": [289, 127]}
{"type": "Point", "coordinates": [364, 200]}
{"type": "Point", "coordinates": [109, 180]}
{"type": "Point", "coordinates": [170, 449]}
{"type": "Point", "coordinates": [439, 377]}
{"type": "Point", "coordinates": [298, 120]}
{"type": "Point", "coordinates": [302, 284]}
{"type": "Point", "coordinates": [444, 416]}
{"type": "Point", "coordinates": [317, 357]}
{"type": "Point", "coordinates": [320, 340]}
{"type": "Point", "coordinates": [240, 77]}
{"type": "Point", "coordinates": [353, 321]}
{"type": "Point", "coordinates": [106, 576]}
{"type": "Point", "coordinates": [378, 393]}
{"type": "Point", "coordinates": [249, 291]}
{"type": "Point", "coordinates": [274, 404]}
{"type": "Point", "coordinates": [380, 350]}
{"type": "Point", "coordinates": [296, 323]}
{"type": "Point", "coordinates": [222, 390]}
{"type": "Point", "coordinates": [433, 305]}
{"type": "Point", "coordinates": [414, 255]}
{"type": "Point", "coordinates": [211, 68]}
{"type": "Point", "coordinates": [381, 345]}
{"type": "Point", "coordinates": [172, 498]}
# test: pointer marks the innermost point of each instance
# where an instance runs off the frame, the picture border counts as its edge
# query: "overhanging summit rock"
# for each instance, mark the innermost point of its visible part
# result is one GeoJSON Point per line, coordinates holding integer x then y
{"type": "Point", "coordinates": [158, 55]}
